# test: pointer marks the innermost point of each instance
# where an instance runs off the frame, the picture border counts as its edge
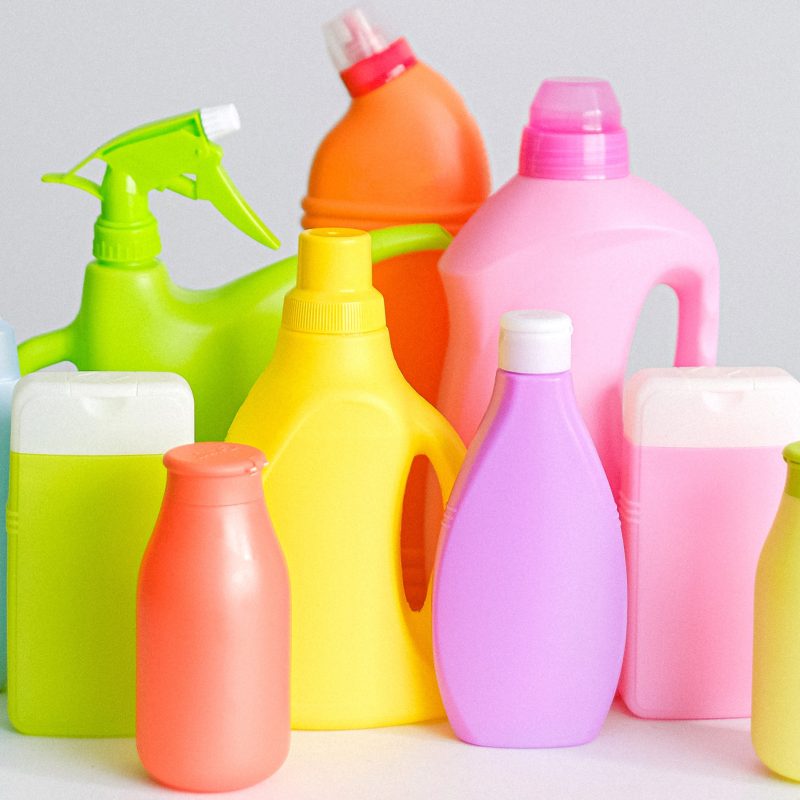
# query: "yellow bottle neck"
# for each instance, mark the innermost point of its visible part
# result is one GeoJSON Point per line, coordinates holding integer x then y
{"type": "Point", "coordinates": [337, 358]}
{"type": "Point", "coordinates": [792, 487]}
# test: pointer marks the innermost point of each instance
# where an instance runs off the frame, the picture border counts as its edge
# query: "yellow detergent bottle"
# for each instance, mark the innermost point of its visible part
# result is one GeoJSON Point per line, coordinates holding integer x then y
{"type": "Point", "coordinates": [340, 427]}
{"type": "Point", "coordinates": [775, 726]}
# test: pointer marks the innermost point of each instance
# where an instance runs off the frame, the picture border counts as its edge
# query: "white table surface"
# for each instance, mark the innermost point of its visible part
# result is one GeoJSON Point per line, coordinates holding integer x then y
{"type": "Point", "coordinates": [631, 758]}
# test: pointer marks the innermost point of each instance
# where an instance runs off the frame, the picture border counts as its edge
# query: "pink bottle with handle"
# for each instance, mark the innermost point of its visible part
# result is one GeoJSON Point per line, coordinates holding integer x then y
{"type": "Point", "coordinates": [529, 598]}
{"type": "Point", "coordinates": [575, 231]}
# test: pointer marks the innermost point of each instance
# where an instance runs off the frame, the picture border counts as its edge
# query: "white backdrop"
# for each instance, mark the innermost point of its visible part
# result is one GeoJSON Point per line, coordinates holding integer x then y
{"type": "Point", "coordinates": [709, 92]}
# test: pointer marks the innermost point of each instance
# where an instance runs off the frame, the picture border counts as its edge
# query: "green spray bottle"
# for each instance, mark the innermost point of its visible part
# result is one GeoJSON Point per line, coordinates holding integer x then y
{"type": "Point", "coordinates": [133, 317]}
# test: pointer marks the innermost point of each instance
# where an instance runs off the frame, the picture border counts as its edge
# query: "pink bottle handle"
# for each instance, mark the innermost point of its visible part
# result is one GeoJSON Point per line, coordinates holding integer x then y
{"type": "Point", "coordinates": [698, 316]}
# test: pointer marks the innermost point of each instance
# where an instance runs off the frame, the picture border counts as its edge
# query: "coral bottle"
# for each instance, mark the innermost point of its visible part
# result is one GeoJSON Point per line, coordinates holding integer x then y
{"type": "Point", "coordinates": [529, 596]}
{"type": "Point", "coordinates": [575, 231]}
{"type": "Point", "coordinates": [212, 677]}
{"type": "Point", "coordinates": [340, 427]}
{"type": "Point", "coordinates": [775, 726]}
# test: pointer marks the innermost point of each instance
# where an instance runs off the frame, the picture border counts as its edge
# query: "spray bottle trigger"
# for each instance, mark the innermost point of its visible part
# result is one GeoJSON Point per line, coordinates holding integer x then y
{"type": "Point", "coordinates": [214, 184]}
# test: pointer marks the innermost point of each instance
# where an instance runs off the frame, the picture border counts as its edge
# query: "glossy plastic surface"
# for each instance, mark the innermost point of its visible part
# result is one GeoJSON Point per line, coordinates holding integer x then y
{"type": "Point", "coordinates": [219, 339]}
{"type": "Point", "coordinates": [775, 724]}
{"type": "Point", "coordinates": [574, 132]}
{"type": "Point", "coordinates": [213, 626]}
{"type": "Point", "coordinates": [340, 426]}
{"type": "Point", "coordinates": [334, 292]}
{"type": "Point", "coordinates": [529, 597]}
{"type": "Point", "coordinates": [157, 156]}
{"type": "Point", "coordinates": [593, 249]}
{"type": "Point", "coordinates": [535, 341]}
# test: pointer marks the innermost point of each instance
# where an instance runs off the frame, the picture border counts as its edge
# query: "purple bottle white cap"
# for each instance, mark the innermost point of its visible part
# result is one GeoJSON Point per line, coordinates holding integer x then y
{"type": "Point", "coordinates": [535, 342]}
{"type": "Point", "coordinates": [575, 132]}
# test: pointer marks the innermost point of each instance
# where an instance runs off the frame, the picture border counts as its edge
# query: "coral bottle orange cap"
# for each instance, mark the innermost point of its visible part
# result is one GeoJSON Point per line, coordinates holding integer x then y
{"type": "Point", "coordinates": [215, 459]}
{"type": "Point", "coordinates": [215, 473]}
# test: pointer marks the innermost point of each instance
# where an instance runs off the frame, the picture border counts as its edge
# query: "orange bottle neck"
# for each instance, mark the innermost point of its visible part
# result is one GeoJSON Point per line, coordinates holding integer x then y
{"type": "Point", "coordinates": [378, 69]}
{"type": "Point", "coordinates": [406, 152]}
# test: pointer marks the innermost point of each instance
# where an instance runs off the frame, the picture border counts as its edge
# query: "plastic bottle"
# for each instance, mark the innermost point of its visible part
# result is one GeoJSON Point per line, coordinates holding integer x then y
{"type": "Point", "coordinates": [775, 724]}
{"type": "Point", "coordinates": [133, 317]}
{"type": "Point", "coordinates": [86, 483]}
{"type": "Point", "coordinates": [529, 597]}
{"type": "Point", "coordinates": [212, 678]}
{"type": "Point", "coordinates": [340, 427]}
{"type": "Point", "coordinates": [575, 231]}
{"type": "Point", "coordinates": [701, 479]}
{"type": "Point", "coordinates": [9, 375]}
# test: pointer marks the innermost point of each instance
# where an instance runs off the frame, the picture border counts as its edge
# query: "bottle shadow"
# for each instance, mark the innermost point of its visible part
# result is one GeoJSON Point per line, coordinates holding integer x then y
{"type": "Point", "coordinates": [90, 761]}
{"type": "Point", "coordinates": [703, 747]}
{"type": "Point", "coordinates": [707, 748]}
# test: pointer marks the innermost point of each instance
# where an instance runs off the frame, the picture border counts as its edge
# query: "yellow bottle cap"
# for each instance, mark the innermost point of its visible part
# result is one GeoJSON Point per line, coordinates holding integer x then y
{"type": "Point", "coordinates": [791, 455]}
{"type": "Point", "coordinates": [334, 292]}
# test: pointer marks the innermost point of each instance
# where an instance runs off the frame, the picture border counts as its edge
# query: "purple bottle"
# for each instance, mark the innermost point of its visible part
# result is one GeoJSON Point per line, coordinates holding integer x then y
{"type": "Point", "coordinates": [529, 602]}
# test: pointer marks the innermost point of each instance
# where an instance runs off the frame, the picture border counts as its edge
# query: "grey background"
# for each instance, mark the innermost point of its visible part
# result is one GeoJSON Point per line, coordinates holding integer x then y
{"type": "Point", "coordinates": [709, 92]}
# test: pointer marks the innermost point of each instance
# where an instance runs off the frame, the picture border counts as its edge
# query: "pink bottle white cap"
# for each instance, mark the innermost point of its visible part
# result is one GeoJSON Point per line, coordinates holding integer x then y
{"type": "Point", "coordinates": [366, 56]}
{"type": "Point", "coordinates": [575, 132]}
{"type": "Point", "coordinates": [535, 342]}
{"type": "Point", "coordinates": [711, 407]}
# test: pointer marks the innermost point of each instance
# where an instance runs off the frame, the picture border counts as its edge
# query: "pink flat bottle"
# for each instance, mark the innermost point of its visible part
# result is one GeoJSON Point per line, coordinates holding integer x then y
{"type": "Point", "coordinates": [212, 632]}
{"type": "Point", "coordinates": [529, 600]}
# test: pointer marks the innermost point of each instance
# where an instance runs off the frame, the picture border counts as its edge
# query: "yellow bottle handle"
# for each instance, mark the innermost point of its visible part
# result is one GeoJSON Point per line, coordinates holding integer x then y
{"type": "Point", "coordinates": [442, 446]}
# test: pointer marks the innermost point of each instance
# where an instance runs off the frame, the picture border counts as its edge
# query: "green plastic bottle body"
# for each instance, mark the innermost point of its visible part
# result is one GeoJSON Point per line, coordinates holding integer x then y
{"type": "Point", "coordinates": [219, 340]}
{"type": "Point", "coordinates": [775, 725]}
{"type": "Point", "coordinates": [78, 527]}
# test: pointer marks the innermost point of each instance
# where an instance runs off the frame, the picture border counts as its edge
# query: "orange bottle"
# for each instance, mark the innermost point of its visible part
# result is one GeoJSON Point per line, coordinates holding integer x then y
{"type": "Point", "coordinates": [406, 151]}
{"type": "Point", "coordinates": [212, 633]}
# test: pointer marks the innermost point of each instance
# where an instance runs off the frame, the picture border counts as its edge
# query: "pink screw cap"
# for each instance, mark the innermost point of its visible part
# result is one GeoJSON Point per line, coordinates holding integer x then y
{"type": "Point", "coordinates": [575, 132]}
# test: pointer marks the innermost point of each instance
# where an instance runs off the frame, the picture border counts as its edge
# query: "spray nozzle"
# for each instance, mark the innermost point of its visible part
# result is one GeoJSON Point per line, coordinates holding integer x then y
{"type": "Point", "coordinates": [219, 121]}
{"type": "Point", "coordinates": [178, 154]}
